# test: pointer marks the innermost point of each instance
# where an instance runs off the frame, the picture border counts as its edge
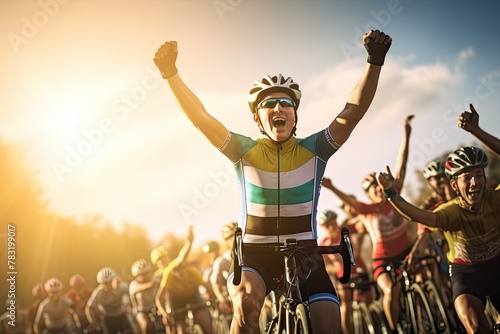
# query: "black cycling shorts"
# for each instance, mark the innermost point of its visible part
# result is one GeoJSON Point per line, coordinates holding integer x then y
{"type": "Point", "coordinates": [313, 277]}
{"type": "Point", "coordinates": [180, 303]}
{"type": "Point", "coordinates": [479, 280]}
{"type": "Point", "coordinates": [116, 323]}
{"type": "Point", "coordinates": [380, 265]}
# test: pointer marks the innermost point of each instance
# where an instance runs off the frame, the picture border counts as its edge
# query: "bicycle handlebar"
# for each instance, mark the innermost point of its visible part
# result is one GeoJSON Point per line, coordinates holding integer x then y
{"type": "Point", "coordinates": [188, 307]}
{"type": "Point", "coordinates": [238, 257]}
{"type": "Point", "coordinates": [344, 249]}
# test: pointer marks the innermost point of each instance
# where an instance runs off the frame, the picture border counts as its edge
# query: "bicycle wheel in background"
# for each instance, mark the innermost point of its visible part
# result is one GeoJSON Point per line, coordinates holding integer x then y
{"type": "Point", "coordinates": [422, 319]}
{"type": "Point", "coordinates": [302, 321]}
{"type": "Point", "coordinates": [378, 318]}
{"type": "Point", "coordinates": [362, 320]}
{"type": "Point", "coordinates": [195, 329]}
{"type": "Point", "coordinates": [442, 318]}
{"type": "Point", "coordinates": [223, 324]}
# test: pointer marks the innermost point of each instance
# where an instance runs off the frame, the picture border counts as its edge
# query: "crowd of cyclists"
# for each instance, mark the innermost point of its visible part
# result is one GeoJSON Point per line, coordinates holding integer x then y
{"type": "Point", "coordinates": [146, 304]}
{"type": "Point", "coordinates": [458, 222]}
{"type": "Point", "coordinates": [280, 178]}
{"type": "Point", "coordinates": [163, 283]}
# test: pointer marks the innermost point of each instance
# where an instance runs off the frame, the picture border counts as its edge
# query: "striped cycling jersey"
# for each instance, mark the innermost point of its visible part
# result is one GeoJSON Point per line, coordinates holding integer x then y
{"type": "Point", "coordinates": [279, 184]}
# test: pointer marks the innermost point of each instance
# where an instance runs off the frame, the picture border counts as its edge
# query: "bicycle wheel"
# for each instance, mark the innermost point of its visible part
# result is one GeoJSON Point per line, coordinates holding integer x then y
{"type": "Point", "coordinates": [422, 319]}
{"type": "Point", "coordinates": [302, 322]}
{"type": "Point", "coordinates": [378, 318]}
{"type": "Point", "coordinates": [195, 329]}
{"type": "Point", "coordinates": [491, 313]}
{"type": "Point", "coordinates": [442, 318]}
{"type": "Point", "coordinates": [223, 324]}
{"type": "Point", "coordinates": [277, 324]}
{"type": "Point", "coordinates": [362, 320]}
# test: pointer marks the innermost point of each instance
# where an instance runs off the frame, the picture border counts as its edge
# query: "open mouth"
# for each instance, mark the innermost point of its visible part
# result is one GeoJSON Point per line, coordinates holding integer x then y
{"type": "Point", "coordinates": [474, 192]}
{"type": "Point", "coordinates": [279, 121]}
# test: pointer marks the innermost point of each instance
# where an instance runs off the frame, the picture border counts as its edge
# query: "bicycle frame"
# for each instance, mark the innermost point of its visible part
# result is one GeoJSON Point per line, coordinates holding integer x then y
{"type": "Point", "coordinates": [191, 325]}
{"type": "Point", "coordinates": [416, 313]}
{"type": "Point", "coordinates": [291, 311]}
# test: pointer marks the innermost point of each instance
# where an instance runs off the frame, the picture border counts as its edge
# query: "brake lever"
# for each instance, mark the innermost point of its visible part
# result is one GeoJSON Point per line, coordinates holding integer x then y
{"type": "Point", "coordinates": [347, 240]}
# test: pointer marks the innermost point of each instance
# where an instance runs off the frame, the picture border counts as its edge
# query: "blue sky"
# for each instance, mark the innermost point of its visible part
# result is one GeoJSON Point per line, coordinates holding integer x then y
{"type": "Point", "coordinates": [83, 100]}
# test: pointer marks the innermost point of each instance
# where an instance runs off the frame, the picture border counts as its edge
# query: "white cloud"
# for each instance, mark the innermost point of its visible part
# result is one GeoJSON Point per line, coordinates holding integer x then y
{"type": "Point", "coordinates": [465, 55]}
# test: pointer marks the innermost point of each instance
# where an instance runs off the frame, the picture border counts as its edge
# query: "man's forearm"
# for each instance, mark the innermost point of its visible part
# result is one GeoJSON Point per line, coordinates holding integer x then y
{"type": "Point", "coordinates": [188, 102]}
{"type": "Point", "coordinates": [400, 171]}
{"type": "Point", "coordinates": [192, 107]}
{"type": "Point", "coordinates": [489, 140]}
{"type": "Point", "coordinates": [363, 93]}
{"type": "Point", "coordinates": [357, 104]}
{"type": "Point", "coordinates": [413, 213]}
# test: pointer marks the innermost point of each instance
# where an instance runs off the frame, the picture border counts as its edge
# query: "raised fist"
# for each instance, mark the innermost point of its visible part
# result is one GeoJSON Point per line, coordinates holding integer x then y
{"type": "Point", "coordinates": [165, 58]}
{"type": "Point", "coordinates": [376, 44]}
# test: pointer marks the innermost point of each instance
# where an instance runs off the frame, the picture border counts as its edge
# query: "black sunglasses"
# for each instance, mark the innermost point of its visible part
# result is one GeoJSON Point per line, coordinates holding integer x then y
{"type": "Point", "coordinates": [271, 103]}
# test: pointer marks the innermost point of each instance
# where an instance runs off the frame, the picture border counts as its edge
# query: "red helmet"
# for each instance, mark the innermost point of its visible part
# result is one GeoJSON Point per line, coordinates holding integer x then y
{"type": "Point", "coordinates": [38, 290]}
{"type": "Point", "coordinates": [77, 281]}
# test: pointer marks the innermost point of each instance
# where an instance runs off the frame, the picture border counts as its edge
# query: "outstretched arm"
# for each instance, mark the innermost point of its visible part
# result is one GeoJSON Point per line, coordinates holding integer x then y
{"type": "Point", "coordinates": [409, 211]}
{"type": "Point", "coordinates": [184, 252]}
{"type": "Point", "coordinates": [327, 183]}
{"type": "Point", "coordinates": [377, 44]}
{"type": "Point", "coordinates": [469, 121]}
{"type": "Point", "coordinates": [403, 153]}
{"type": "Point", "coordinates": [165, 59]}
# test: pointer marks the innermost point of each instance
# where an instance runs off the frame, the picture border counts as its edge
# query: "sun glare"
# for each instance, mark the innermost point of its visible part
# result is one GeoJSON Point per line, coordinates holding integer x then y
{"type": "Point", "coordinates": [66, 122]}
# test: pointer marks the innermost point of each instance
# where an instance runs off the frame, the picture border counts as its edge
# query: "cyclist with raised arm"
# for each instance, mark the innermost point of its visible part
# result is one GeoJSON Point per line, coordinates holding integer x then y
{"type": "Point", "coordinates": [386, 227]}
{"type": "Point", "coordinates": [159, 258]}
{"type": "Point", "coordinates": [180, 285]}
{"type": "Point", "coordinates": [472, 220]}
{"type": "Point", "coordinates": [441, 192]}
{"type": "Point", "coordinates": [279, 177]}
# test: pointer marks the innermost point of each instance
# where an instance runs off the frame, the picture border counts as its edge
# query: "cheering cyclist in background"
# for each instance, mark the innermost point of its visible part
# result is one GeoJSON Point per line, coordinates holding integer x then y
{"type": "Point", "coordinates": [472, 221]}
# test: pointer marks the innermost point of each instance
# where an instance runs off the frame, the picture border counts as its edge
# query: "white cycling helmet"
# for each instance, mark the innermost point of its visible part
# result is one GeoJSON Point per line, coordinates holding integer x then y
{"type": "Point", "coordinates": [268, 85]}
{"type": "Point", "coordinates": [433, 168]}
{"type": "Point", "coordinates": [140, 267]}
{"type": "Point", "coordinates": [105, 275]}
{"type": "Point", "coordinates": [326, 216]}
{"type": "Point", "coordinates": [463, 159]}
{"type": "Point", "coordinates": [53, 285]}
